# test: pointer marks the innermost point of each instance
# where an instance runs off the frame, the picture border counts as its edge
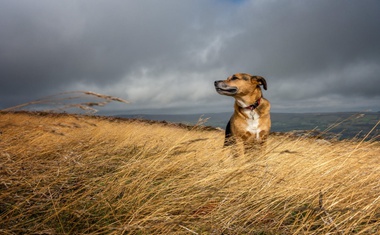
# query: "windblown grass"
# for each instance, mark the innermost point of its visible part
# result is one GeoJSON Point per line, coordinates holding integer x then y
{"type": "Point", "coordinates": [72, 174]}
{"type": "Point", "coordinates": [79, 100]}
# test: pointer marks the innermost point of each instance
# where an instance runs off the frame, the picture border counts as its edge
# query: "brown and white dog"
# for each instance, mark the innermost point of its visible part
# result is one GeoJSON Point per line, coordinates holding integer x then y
{"type": "Point", "coordinates": [250, 122]}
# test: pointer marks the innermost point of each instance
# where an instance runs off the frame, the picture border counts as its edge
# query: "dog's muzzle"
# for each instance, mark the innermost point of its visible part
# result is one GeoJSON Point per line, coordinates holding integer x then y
{"type": "Point", "coordinates": [223, 89]}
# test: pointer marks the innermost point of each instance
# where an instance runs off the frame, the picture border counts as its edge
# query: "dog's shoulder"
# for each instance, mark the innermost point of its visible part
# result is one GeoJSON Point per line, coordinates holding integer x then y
{"type": "Point", "coordinates": [265, 106]}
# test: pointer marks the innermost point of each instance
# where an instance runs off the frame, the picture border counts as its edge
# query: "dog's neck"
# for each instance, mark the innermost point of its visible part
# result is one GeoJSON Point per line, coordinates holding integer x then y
{"type": "Point", "coordinates": [244, 105]}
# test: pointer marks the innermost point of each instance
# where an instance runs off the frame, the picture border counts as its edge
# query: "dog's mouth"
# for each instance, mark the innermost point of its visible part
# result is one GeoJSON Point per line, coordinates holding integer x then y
{"type": "Point", "coordinates": [227, 90]}
{"type": "Point", "coordinates": [222, 88]}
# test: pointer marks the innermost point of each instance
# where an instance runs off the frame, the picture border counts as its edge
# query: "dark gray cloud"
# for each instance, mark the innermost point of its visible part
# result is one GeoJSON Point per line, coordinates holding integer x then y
{"type": "Point", "coordinates": [316, 55]}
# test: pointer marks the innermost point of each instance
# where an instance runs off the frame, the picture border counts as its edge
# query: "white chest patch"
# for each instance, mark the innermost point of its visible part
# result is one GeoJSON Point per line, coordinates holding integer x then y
{"type": "Point", "coordinates": [253, 122]}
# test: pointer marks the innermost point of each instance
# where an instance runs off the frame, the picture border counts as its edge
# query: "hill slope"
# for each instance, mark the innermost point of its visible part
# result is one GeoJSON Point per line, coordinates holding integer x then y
{"type": "Point", "coordinates": [69, 174]}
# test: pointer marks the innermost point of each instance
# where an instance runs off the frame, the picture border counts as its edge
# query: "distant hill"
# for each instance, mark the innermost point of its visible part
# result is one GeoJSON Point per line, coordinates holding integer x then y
{"type": "Point", "coordinates": [346, 125]}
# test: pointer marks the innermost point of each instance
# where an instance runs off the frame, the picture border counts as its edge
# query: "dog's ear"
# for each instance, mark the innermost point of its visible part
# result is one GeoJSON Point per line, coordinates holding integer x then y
{"type": "Point", "coordinates": [261, 81]}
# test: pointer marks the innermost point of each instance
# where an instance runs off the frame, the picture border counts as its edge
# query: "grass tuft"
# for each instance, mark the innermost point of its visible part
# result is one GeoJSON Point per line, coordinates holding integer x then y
{"type": "Point", "coordinates": [69, 100]}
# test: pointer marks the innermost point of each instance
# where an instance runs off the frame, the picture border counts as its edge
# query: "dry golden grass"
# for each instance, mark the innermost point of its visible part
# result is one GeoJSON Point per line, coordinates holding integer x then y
{"type": "Point", "coordinates": [69, 174]}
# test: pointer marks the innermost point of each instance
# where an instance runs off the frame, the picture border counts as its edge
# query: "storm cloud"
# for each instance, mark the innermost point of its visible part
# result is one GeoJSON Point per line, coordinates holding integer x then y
{"type": "Point", "coordinates": [164, 55]}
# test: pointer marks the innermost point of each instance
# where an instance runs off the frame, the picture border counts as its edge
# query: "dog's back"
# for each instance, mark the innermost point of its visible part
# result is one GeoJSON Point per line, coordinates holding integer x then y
{"type": "Point", "coordinates": [228, 140]}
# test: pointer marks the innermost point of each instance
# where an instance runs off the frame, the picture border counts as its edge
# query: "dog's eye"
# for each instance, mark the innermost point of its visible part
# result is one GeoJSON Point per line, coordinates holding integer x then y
{"type": "Point", "coordinates": [234, 78]}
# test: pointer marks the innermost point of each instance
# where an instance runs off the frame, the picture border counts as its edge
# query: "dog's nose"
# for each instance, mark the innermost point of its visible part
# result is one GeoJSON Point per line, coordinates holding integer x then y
{"type": "Point", "coordinates": [216, 82]}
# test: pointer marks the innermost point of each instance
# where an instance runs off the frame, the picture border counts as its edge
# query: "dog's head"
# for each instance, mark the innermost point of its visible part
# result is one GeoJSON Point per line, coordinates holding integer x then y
{"type": "Point", "coordinates": [241, 84]}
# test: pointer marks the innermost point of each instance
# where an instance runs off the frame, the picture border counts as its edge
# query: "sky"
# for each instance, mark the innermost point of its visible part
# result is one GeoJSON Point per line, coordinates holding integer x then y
{"type": "Point", "coordinates": [164, 56]}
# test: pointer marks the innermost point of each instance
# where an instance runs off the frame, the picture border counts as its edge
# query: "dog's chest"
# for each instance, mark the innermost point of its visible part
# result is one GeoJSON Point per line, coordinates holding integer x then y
{"type": "Point", "coordinates": [252, 122]}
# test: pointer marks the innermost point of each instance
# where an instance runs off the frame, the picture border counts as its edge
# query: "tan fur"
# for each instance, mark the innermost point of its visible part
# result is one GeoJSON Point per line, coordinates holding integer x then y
{"type": "Point", "coordinates": [251, 127]}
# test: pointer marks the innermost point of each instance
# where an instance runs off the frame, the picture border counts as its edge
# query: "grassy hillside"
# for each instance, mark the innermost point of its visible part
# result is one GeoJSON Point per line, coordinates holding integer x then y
{"type": "Point", "coordinates": [67, 174]}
